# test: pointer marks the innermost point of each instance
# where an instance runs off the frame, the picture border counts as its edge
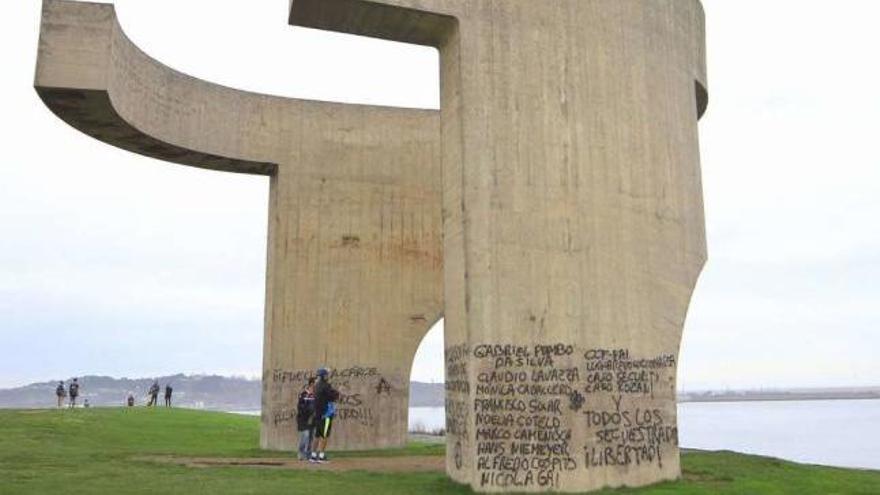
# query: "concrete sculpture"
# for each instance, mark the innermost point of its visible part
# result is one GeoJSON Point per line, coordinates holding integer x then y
{"type": "Point", "coordinates": [552, 211]}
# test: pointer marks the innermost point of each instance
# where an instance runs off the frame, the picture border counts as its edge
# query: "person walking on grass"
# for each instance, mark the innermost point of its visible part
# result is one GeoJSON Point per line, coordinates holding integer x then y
{"type": "Point", "coordinates": [168, 392]}
{"type": "Point", "coordinates": [325, 410]}
{"type": "Point", "coordinates": [154, 394]}
{"type": "Point", "coordinates": [73, 392]}
{"type": "Point", "coordinates": [60, 394]}
{"type": "Point", "coordinates": [305, 420]}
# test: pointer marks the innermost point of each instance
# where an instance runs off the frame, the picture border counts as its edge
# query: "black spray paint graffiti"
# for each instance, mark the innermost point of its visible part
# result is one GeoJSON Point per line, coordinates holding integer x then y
{"type": "Point", "coordinates": [626, 437]}
{"type": "Point", "coordinates": [302, 376]}
{"type": "Point", "coordinates": [456, 370]}
{"type": "Point", "coordinates": [457, 390]}
{"type": "Point", "coordinates": [383, 387]}
{"type": "Point", "coordinates": [522, 440]}
{"type": "Point", "coordinates": [631, 435]}
{"type": "Point", "coordinates": [352, 407]}
{"type": "Point", "coordinates": [283, 416]}
{"type": "Point", "coordinates": [614, 371]}
{"type": "Point", "coordinates": [528, 399]}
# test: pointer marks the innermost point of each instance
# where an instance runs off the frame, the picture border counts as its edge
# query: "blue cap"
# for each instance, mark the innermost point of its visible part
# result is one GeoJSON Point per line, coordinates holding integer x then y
{"type": "Point", "coordinates": [322, 372]}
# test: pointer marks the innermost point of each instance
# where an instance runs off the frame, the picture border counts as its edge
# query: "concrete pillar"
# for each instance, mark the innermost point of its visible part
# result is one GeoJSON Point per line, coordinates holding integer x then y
{"type": "Point", "coordinates": [354, 272]}
{"type": "Point", "coordinates": [573, 227]}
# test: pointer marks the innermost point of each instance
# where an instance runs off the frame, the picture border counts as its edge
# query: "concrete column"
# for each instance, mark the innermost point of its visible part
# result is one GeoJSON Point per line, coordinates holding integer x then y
{"type": "Point", "coordinates": [354, 272]}
{"type": "Point", "coordinates": [573, 228]}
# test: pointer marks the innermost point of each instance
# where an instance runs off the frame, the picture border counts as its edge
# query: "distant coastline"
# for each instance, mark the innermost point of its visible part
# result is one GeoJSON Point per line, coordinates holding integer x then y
{"type": "Point", "coordinates": [868, 393]}
{"type": "Point", "coordinates": [219, 393]}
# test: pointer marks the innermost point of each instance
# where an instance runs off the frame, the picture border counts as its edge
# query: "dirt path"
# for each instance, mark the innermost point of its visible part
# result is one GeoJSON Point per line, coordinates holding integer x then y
{"type": "Point", "coordinates": [409, 464]}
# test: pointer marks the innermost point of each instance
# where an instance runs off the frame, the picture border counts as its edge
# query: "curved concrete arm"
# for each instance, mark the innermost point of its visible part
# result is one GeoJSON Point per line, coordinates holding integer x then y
{"type": "Point", "coordinates": [92, 76]}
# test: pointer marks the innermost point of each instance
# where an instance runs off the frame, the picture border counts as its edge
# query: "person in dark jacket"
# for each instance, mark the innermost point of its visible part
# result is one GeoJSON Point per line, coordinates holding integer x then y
{"type": "Point", "coordinates": [305, 419]}
{"type": "Point", "coordinates": [73, 392]}
{"type": "Point", "coordinates": [325, 410]}
{"type": "Point", "coordinates": [168, 392]}
{"type": "Point", "coordinates": [60, 393]}
{"type": "Point", "coordinates": [154, 394]}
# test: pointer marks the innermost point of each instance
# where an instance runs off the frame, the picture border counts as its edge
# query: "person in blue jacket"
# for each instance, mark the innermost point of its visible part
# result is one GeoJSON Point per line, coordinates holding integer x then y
{"type": "Point", "coordinates": [325, 410]}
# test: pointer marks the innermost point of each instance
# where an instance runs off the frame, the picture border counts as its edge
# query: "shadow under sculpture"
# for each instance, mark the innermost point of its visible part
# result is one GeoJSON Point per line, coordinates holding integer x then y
{"type": "Point", "coordinates": [552, 211]}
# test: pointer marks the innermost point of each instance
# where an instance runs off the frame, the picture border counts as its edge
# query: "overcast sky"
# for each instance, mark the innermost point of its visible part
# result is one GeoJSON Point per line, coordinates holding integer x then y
{"type": "Point", "coordinates": [112, 263]}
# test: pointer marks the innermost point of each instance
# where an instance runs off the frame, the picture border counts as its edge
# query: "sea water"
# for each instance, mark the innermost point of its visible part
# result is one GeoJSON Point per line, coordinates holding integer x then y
{"type": "Point", "coordinates": [844, 433]}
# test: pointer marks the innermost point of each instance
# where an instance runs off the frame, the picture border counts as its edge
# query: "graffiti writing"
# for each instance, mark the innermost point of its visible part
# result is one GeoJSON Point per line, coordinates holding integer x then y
{"type": "Point", "coordinates": [383, 387]}
{"type": "Point", "coordinates": [527, 401]}
{"type": "Point", "coordinates": [522, 436]}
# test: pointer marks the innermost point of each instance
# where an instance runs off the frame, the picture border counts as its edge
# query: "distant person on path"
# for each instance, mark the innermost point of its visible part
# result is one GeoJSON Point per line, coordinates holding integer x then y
{"type": "Point", "coordinates": [73, 392]}
{"type": "Point", "coordinates": [60, 394]}
{"type": "Point", "coordinates": [325, 410]}
{"type": "Point", "coordinates": [168, 392]}
{"type": "Point", "coordinates": [130, 400]}
{"type": "Point", "coordinates": [305, 420]}
{"type": "Point", "coordinates": [154, 394]}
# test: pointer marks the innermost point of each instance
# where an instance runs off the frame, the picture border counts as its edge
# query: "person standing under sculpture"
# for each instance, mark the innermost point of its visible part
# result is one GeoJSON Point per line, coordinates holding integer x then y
{"type": "Point", "coordinates": [325, 410]}
{"type": "Point", "coordinates": [168, 392]}
{"type": "Point", "coordinates": [305, 420]}
{"type": "Point", "coordinates": [60, 394]}
{"type": "Point", "coordinates": [73, 392]}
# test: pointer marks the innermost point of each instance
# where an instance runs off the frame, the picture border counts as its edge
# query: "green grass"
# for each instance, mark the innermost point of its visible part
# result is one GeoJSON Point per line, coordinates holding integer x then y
{"type": "Point", "coordinates": [95, 452]}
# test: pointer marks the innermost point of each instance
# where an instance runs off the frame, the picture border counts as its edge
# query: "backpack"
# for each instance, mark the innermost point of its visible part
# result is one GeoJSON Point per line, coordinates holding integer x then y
{"type": "Point", "coordinates": [332, 397]}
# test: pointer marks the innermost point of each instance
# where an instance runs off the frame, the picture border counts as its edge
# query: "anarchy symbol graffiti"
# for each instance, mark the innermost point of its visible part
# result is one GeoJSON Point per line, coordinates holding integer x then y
{"type": "Point", "coordinates": [383, 387]}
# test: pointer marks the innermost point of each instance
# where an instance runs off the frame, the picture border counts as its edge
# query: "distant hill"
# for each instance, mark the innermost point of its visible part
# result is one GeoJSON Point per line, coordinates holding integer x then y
{"type": "Point", "coordinates": [800, 394]}
{"type": "Point", "coordinates": [216, 393]}
{"type": "Point", "coordinates": [427, 394]}
{"type": "Point", "coordinates": [202, 392]}
{"type": "Point", "coordinates": [220, 393]}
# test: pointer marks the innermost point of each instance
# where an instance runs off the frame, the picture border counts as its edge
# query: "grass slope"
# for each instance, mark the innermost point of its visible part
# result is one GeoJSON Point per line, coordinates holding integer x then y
{"type": "Point", "coordinates": [93, 452]}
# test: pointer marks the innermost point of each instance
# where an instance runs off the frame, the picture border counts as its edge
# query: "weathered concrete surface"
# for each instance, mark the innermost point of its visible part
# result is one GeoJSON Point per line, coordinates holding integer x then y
{"type": "Point", "coordinates": [355, 255]}
{"type": "Point", "coordinates": [573, 219]}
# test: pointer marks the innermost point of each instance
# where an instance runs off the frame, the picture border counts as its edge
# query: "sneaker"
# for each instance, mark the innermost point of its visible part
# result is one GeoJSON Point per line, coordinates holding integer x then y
{"type": "Point", "coordinates": [322, 458]}
{"type": "Point", "coordinates": [314, 457]}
